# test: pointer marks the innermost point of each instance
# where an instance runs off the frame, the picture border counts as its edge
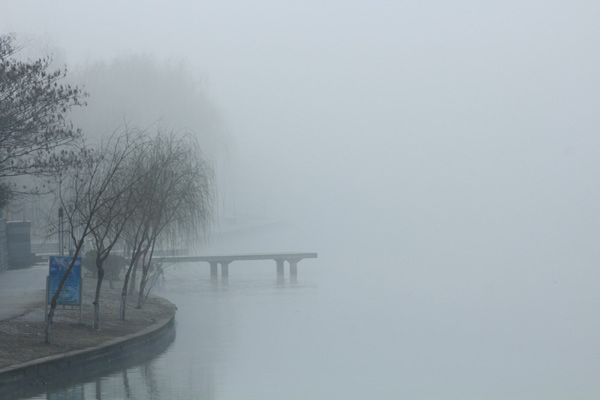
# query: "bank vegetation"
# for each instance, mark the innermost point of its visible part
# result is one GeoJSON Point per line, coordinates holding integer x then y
{"type": "Point", "coordinates": [132, 191]}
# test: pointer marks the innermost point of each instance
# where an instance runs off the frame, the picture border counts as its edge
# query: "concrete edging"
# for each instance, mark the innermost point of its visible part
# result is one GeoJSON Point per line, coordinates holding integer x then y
{"type": "Point", "coordinates": [77, 362]}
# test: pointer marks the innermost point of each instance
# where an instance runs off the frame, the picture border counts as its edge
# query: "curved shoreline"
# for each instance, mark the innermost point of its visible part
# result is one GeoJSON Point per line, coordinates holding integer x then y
{"type": "Point", "coordinates": [36, 375]}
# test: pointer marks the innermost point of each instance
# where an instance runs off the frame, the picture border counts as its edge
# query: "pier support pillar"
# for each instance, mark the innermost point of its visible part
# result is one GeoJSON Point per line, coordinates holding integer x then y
{"type": "Point", "coordinates": [279, 268]}
{"type": "Point", "coordinates": [214, 270]}
{"type": "Point", "coordinates": [225, 269]}
{"type": "Point", "coordinates": [293, 270]}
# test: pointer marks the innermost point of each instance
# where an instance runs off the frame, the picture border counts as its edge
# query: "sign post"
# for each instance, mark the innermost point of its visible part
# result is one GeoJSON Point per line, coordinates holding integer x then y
{"type": "Point", "coordinates": [71, 292]}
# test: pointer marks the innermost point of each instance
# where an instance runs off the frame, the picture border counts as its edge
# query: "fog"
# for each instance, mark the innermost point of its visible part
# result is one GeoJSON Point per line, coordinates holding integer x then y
{"type": "Point", "coordinates": [441, 157]}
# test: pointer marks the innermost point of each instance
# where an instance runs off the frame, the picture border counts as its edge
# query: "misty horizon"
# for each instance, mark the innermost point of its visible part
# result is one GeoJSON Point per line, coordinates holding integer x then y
{"type": "Point", "coordinates": [443, 158]}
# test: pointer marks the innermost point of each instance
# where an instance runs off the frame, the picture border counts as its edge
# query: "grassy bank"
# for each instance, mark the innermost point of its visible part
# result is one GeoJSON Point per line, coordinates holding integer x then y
{"type": "Point", "coordinates": [22, 338]}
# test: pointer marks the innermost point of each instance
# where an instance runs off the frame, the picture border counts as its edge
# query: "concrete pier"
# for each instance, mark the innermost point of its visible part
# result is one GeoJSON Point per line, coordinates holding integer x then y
{"type": "Point", "coordinates": [280, 259]}
{"type": "Point", "coordinates": [225, 269]}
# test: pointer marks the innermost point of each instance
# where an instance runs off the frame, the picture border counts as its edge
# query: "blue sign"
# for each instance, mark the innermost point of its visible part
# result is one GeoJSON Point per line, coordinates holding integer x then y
{"type": "Point", "coordinates": [71, 290]}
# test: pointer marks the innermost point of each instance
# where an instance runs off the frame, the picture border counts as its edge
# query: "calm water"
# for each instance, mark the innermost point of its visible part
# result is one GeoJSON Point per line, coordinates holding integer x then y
{"type": "Point", "coordinates": [368, 332]}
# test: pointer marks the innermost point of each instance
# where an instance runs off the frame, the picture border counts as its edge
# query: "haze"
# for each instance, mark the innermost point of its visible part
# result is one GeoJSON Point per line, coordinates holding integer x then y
{"type": "Point", "coordinates": [448, 151]}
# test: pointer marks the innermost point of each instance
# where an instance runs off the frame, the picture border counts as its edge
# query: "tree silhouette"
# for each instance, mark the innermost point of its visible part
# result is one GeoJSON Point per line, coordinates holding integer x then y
{"type": "Point", "coordinates": [36, 138]}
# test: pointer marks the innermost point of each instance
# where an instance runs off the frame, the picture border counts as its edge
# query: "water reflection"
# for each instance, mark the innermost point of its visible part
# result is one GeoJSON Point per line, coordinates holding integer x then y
{"type": "Point", "coordinates": [126, 387]}
{"type": "Point", "coordinates": [364, 333]}
{"type": "Point", "coordinates": [92, 383]}
{"type": "Point", "coordinates": [208, 359]}
{"type": "Point", "coordinates": [71, 393]}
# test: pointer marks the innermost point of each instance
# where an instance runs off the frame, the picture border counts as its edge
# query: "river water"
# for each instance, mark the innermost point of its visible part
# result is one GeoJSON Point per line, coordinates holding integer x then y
{"type": "Point", "coordinates": [366, 332]}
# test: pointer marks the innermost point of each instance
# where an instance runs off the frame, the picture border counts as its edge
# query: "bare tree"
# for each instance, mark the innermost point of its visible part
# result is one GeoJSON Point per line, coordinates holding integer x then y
{"type": "Point", "coordinates": [120, 201]}
{"type": "Point", "coordinates": [138, 230]}
{"type": "Point", "coordinates": [90, 192]}
{"type": "Point", "coordinates": [34, 131]}
{"type": "Point", "coordinates": [177, 202]}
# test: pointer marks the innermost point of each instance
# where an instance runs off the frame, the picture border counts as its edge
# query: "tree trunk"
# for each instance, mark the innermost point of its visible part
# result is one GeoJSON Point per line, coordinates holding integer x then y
{"type": "Point", "coordinates": [146, 266]}
{"type": "Point", "coordinates": [97, 297]}
{"type": "Point", "coordinates": [50, 317]}
{"type": "Point", "coordinates": [132, 282]}
{"type": "Point", "coordinates": [143, 280]}
{"type": "Point", "coordinates": [124, 295]}
{"type": "Point", "coordinates": [49, 323]}
{"type": "Point", "coordinates": [126, 283]}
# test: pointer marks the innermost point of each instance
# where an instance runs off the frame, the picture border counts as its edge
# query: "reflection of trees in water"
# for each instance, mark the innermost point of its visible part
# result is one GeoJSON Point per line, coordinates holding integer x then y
{"type": "Point", "coordinates": [98, 385]}
{"type": "Point", "coordinates": [117, 386]}
{"type": "Point", "coordinates": [72, 393]}
{"type": "Point", "coordinates": [126, 387]}
{"type": "Point", "coordinates": [113, 380]}
{"type": "Point", "coordinates": [149, 375]}
{"type": "Point", "coordinates": [190, 366]}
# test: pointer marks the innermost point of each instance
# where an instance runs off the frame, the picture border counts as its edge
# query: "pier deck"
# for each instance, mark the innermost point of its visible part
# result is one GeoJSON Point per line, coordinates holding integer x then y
{"type": "Point", "coordinates": [224, 260]}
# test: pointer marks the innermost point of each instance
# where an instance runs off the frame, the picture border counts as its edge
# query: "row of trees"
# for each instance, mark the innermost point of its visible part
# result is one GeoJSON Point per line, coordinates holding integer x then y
{"type": "Point", "coordinates": [137, 189]}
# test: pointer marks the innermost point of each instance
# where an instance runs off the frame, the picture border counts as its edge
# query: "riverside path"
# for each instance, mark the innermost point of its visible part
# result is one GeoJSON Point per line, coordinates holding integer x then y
{"type": "Point", "coordinates": [22, 289]}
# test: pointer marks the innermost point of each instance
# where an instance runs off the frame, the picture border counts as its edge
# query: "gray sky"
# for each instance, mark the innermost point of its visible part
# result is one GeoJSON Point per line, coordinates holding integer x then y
{"type": "Point", "coordinates": [452, 124]}
{"type": "Point", "coordinates": [443, 157]}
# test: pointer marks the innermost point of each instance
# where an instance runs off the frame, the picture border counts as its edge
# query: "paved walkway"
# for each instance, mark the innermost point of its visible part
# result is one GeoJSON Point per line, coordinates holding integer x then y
{"type": "Point", "coordinates": [22, 289]}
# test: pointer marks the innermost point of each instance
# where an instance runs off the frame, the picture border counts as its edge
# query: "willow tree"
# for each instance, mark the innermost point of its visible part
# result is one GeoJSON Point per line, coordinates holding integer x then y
{"type": "Point", "coordinates": [98, 198]}
{"type": "Point", "coordinates": [120, 201]}
{"type": "Point", "coordinates": [176, 184]}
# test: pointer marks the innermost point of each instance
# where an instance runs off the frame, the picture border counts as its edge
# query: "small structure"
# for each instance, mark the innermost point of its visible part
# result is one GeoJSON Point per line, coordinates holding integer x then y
{"type": "Point", "coordinates": [3, 246]}
{"type": "Point", "coordinates": [18, 237]}
{"type": "Point", "coordinates": [280, 258]}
